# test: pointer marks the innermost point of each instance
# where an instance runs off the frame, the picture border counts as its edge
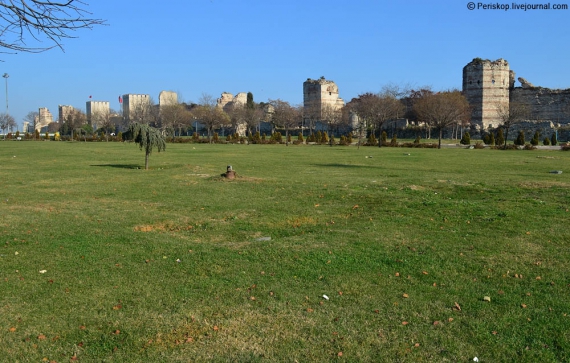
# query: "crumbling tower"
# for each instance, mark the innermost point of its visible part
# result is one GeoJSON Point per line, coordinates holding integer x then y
{"type": "Point", "coordinates": [486, 86]}
{"type": "Point", "coordinates": [318, 94]}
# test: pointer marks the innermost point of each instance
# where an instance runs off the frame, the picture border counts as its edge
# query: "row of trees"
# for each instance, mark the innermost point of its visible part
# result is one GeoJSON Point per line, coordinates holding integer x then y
{"type": "Point", "coordinates": [368, 113]}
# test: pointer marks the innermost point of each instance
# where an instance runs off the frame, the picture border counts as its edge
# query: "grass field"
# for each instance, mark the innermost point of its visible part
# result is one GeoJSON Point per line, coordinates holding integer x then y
{"type": "Point", "coordinates": [102, 261]}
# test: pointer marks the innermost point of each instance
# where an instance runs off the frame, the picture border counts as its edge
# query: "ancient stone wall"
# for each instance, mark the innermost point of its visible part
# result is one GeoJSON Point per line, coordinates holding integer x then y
{"type": "Point", "coordinates": [544, 104]}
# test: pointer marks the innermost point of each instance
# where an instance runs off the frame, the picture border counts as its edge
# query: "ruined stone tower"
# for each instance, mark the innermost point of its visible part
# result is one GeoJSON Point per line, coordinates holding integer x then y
{"type": "Point", "coordinates": [318, 94]}
{"type": "Point", "coordinates": [486, 86]}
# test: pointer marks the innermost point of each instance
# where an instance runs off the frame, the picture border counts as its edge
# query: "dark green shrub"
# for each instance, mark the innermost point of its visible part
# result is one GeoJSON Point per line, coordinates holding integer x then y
{"type": "Point", "coordinates": [534, 141]}
{"type": "Point", "coordinates": [288, 137]}
{"type": "Point", "coordinates": [277, 137]}
{"type": "Point", "coordinates": [394, 141]}
{"type": "Point", "coordinates": [487, 138]}
{"type": "Point", "coordinates": [466, 139]}
{"type": "Point", "coordinates": [17, 134]}
{"type": "Point", "coordinates": [195, 136]}
{"type": "Point", "coordinates": [229, 138]}
{"type": "Point", "coordinates": [371, 140]}
{"type": "Point", "coordinates": [500, 138]}
{"type": "Point", "coordinates": [300, 138]}
{"type": "Point", "coordinates": [332, 141]}
{"type": "Point", "coordinates": [492, 139]}
{"type": "Point", "coordinates": [417, 140]}
{"type": "Point", "coordinates": [215, 138]}
{"type": "Point", "coordinates": [349, 138]}
{"type": "Point", "coordinates": [553, 139]}
{"type": "Point", "coordinates": [318, 137]}
{"type": "Point", "coordinates": [324, 138]}
{"type": "Point", "coordinates": [520, 139]}
{"type": "Point", "coordinates": [546, 141]}
{"type": "Point", "coordinates": [263, 137]}
{"type": "Point", "coordinates": [384, 137]}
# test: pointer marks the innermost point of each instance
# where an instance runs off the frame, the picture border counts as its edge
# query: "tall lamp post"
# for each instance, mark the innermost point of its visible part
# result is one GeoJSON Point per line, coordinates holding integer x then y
{"type": "Point", "coordinates": [6, 75]}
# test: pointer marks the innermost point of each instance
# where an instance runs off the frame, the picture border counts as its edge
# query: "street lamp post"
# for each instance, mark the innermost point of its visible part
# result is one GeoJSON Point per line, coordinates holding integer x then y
{"type": "Point", "coordinates": [6, 75]}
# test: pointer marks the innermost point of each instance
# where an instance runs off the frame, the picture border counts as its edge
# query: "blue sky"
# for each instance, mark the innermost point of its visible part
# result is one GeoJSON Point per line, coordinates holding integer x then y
{"type": "Point", "coordinates": [270, 48]}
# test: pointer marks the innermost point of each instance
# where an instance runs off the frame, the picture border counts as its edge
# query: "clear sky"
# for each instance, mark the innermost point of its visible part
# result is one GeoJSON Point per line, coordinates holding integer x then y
{"type": "Point", "coordinates": [271, 47]}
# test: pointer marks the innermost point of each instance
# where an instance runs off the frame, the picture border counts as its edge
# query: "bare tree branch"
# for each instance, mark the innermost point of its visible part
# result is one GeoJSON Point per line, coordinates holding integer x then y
{"type": "Point", "coordinates": [40, 20]}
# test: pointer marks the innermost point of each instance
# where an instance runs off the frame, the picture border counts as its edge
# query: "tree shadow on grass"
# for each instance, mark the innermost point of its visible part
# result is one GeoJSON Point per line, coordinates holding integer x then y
{"type": "Point", "coordinates": [346, 165]}
{"type": "Point", "coordinates": [120, 166]}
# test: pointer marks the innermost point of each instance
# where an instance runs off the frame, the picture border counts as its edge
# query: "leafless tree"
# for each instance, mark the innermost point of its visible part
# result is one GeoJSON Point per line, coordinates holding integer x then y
{"type": "Point", "coordinates": [311, 115]}
{"type": "Point", "coordinates": [32, 118]}
{"type": "Point", "coordinates": [510, 114]}
{"type": "Point", "coordinates": [253, 116]}
{"type": "Point", "coordinates": [237, 114]}
{"type": "Point", "coordinates": [285, 116]}
{"type": "Point", "coordinates": [41, 19]}
{"type": "Point", "coordinates": [374, 110]}
{"type": "Point", "coordinates": [210, 115]}
{"type": "Point", "coordinates": [442, 109]}
{"type": "Point", "coordinates": [333, 117]}
{"type": "Point", "coordinates": [142, 112]}
{"type": "Point", "coordinates": [6, 122]}
{"type": "Point", "coordinates": [175, 116]}
{"type": "Point", "coordinates": [103, 120]}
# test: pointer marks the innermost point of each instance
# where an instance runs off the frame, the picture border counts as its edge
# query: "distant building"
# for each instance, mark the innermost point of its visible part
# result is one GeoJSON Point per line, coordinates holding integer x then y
{"type": "Point", "coordinates": [64, 112]}
{"type": "Point", "coordinates": [167, 98]}
{"type": "Point", "coordinates": [133, 104]}
{"type": "Point", "coordinates": [44, 118]}
{"type": "Point", "coordinates": [317, 95]}
{"type": "Point", "coordinates": [97, 113]}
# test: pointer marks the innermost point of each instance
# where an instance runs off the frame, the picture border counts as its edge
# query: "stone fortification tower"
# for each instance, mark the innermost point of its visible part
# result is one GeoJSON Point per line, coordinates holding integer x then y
{"type": "Point", "coordinates": [317, 95]}
{"type": "Point", "coordinates": [486, 86]}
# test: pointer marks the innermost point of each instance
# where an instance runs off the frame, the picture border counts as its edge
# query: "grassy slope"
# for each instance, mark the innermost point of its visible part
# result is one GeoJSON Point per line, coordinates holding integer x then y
{"type": "Point", "coordinates": [441, 226]}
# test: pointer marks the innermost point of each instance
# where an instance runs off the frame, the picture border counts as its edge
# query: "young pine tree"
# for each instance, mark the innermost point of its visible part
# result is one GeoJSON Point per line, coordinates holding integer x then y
{"type": "Point", "coordinates": [500, 137]}
{"type": "Point", "coordinates": [520, 141]}
{"type": "Point", "coordinates": [553, 139]}
{"type": "Point", "coordinates": [534, 140]}
{"type": "Point", "coordinates": [546, 141]}
{"type": "Point", "coordinates": [466, 139]}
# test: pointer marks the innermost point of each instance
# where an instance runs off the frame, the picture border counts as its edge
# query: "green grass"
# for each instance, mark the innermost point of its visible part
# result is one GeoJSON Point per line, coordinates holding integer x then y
{"type": "Point", "coordinates": [362, 226]}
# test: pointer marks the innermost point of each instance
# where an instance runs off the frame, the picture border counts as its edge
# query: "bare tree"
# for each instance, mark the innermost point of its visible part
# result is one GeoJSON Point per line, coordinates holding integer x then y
{"type": "Point", "coordinates": [442, 109]}
{"type": "Point", "coordinates": [311, 114]}
{"type": "Point", "coordinates": [32, 118]}
{"type": "Point", "coordinates": [237, 114]}
{"type": "Point", "coordinates": [6, 122]}
{"type": "Point", "coordinates": [103, 120]}
{"type": "Point", "coordinates": [510, 114]}
{"type": "Point", "coordinates": [286, 116]}
{"type": "Point", "coordinates": [252, 117]}
{"type": "Point", "coordinates": [142, 112]}
{"type": "Point", "coordinates": [333, 117]}
{"type": "Point", "coordinates": [175, 116]}
{"type": "Point", "coordinates": [374, 110]}
{"type": "Point", "coordinates": [41, 19]}
{"type": "Point", "coordinates": [210, 115]}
